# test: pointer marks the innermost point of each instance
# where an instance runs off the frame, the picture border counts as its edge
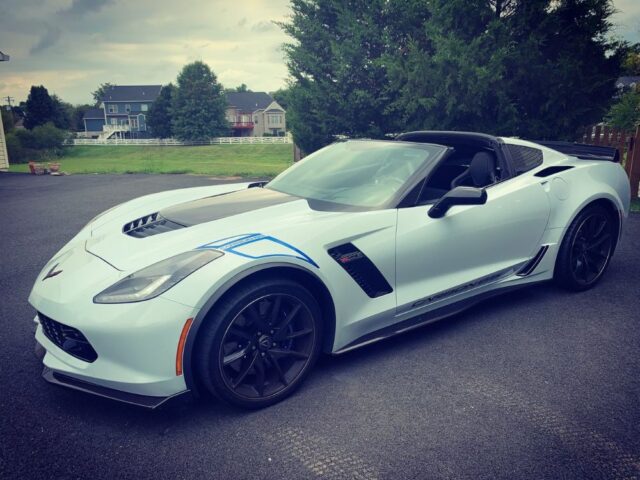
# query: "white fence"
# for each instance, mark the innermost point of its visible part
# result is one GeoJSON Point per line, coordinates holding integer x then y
{"type": "Point", "coordinates": [175, 141]}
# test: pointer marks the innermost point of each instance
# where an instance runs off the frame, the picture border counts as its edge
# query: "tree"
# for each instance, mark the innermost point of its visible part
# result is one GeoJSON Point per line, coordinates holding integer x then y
{"type": "Point", "coordinates": [159, 117]}
{"type": "Point", "coordinates": [99, 92]}
{"type": "Point", "coordinates": [240, 89]}
{"type": "Point", "coordinates": [535, 68]}
{"type": "Point", "coordinates": [198, 105]}
{"type": "Point", "coordinates": [531, 68]}
{"type": "Point", "coordinates": [631, 64]}
{"type": "Point", "coordinates": [625, 113]}
{"type": "Point", "coordinates": [282, 97]}
{"type": "Point", "coordinates": [77, 116]}
{"type": "Point", "coordinates": [62, 113]}
{"type": "Point", "coordinates": [39, 108]}
{"type": "Point", "coordinates": [338, 80]}
{"type": "Point", "coordinates": [8, 122]}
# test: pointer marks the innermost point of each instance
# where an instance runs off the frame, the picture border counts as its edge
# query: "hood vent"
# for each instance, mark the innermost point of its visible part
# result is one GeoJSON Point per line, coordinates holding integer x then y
{"type": "Point", "coordinates": [149, 225]}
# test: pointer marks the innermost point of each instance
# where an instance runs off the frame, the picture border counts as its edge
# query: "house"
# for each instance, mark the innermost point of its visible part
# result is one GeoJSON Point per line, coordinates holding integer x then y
{"type": "Point", "coordinates": [122, 112]}
{"type": "Point", "coordinates": [253, 114]}
{"type": "Point", "coordinates": [625, 84]}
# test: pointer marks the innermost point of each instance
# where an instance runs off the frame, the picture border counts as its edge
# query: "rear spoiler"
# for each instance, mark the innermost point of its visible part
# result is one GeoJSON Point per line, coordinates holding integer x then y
{"type": "Point", "coordinates": [583, 151]}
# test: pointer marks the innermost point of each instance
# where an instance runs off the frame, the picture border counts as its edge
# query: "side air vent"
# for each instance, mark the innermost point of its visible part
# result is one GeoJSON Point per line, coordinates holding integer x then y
{"type": "Point", "coordinates": [361, 269]}
{"type": "Point", "coordinates": [531, 265]}
{"type": "Point", "coordinates": [149, 225]}
{"type": "Point", "coordinates": [545, 172]}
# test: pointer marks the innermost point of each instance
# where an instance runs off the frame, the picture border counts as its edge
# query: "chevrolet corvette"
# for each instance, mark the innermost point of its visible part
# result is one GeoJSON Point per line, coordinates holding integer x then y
{"type": "Point", "coordinates": [233, 291]}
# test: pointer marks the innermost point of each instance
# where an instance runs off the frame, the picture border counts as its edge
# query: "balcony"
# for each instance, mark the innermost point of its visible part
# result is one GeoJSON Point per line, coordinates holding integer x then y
{"type": "Point", "coordinates": [242, 125]}
{"type": "Point", "coordinates": [115, 128]}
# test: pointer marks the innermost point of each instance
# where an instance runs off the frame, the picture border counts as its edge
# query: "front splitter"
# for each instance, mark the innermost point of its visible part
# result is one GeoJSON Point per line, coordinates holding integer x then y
{"type": "Point", "coordinates": [67, 381]}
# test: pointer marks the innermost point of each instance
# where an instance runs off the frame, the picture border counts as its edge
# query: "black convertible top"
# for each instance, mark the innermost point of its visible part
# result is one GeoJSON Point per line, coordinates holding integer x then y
{"type": "Point", "coordinates": [445, 137]}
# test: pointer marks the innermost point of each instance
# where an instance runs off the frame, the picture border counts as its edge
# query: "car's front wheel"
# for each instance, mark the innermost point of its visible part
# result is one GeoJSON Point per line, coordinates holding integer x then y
{"type": "Point", "coordinates": [586, 249]}
{"type": "Point", "coordinates": [259, 343]}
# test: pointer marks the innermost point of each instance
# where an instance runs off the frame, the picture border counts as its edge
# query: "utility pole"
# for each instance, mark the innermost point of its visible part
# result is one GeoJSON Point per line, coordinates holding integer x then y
{"type": "Point", "coordinates": [4, 156]}
{"type": "Point", "coordinates": [9, 100]}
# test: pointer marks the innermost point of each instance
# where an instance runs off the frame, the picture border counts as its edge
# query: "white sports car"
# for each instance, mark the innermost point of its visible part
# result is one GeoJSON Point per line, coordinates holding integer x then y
{"type": "Point", "coordinates": [234, 290]}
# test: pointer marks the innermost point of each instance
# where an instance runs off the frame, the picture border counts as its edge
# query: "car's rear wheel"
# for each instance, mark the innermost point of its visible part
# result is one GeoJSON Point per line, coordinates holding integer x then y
{"type": "Point", "coordinates": [259, 343]}
{"type": "Point", "coordinates": [586, 249]}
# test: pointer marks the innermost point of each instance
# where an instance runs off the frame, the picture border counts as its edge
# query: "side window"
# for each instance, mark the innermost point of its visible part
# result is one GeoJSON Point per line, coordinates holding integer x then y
{"type": "Point", "coordinates": [524, 158]}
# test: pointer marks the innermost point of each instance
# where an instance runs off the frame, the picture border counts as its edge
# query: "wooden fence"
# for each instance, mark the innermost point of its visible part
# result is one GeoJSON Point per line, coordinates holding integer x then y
{"type": "Point", "coordinates": [175, 141]}
{"type": "Point", "coordinates": [627, 144]}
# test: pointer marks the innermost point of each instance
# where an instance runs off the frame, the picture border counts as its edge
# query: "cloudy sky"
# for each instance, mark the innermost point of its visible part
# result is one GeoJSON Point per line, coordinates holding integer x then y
{"type": "Point", "coordinates": [71, 46]}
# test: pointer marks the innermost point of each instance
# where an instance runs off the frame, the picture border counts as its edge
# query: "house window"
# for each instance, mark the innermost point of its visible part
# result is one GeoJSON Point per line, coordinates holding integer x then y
{"type": "Point", "coordinates": [144, 107]}
{"type": "Point", "coordinates": [127, 108]}
{"type": "Point", "coordinates": [255, 119]}
{"type": "Point", "coordinates": [113, 108]}
{"type": "Point", "coordinates": [274, 119]}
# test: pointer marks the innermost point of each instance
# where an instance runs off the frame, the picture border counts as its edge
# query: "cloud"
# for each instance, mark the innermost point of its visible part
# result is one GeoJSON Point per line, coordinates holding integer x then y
{"type": "Point", "coordinates": [49, 38]}
{"type": "Point", "coordinates": [52, 32]}
{"type": "Point", "coordinates": [140, 42]}
{"type": "Point", "coordinates": [82, 7]}
{"type": "Point", "coordinates": [263, 26]}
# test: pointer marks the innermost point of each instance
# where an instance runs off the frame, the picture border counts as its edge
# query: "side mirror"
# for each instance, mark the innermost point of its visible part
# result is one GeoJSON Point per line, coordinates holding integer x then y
{"type": "Point", "coordinates": [458, 196]}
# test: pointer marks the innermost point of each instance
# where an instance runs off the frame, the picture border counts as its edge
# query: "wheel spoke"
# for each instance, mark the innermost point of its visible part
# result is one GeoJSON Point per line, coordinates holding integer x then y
{"type": "Point", "coordinates": [281, 375]}
{"type": "Point", "coordinates": [287, 353]}
{"type": "Point", "coordinates": [254, 317]}
{"type": "Point", "coordinates": [235, 331]}
{"type": "Point", "coordinates": [232, 357]}
{"type": "Point", "coordinates": [244, 370]}
{"type": "Point", "coordinates": [299, 333]}
{"type": "Point", "coordinates": [287, 320]}
{"type": "Point", "coordinates": [599, 228]}
{"type": "Point", "coordinates": [260, 377]}
{"type": "Point", "coordinates": [598, 241]}
{"type": "Point", "coordinates": [590, 267]}
{"type": "Point", "coordinates": [275, 310]}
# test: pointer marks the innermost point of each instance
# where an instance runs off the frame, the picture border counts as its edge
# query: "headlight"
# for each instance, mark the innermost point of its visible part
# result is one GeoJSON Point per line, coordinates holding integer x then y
{"type": "Point", "coordinates": [156, 279]}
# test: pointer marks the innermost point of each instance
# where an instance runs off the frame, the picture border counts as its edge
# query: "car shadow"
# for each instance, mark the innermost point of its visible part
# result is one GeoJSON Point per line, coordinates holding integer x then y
{"type": "Point", "coordinates": [187, 411]}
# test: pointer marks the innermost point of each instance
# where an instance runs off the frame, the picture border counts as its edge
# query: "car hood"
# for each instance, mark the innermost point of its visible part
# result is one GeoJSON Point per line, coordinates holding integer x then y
{"type": "Point", "coordinates": [132, 240]}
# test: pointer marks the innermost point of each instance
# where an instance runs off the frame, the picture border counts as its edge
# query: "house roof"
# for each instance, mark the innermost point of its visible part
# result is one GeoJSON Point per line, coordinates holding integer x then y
{"type": "Point", "coordinates": [130, 93]}
{"type": "Point", "coordinates": [249, 101]}
{"type": "Point", "coordinates": [93, 114]}
{"type": "Point", "coordinates": [627, 81]}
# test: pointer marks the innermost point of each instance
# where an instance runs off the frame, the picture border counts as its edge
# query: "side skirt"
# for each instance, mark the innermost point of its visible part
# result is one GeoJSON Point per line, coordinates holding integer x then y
{"type": "Point", "coordinates": [425, 319]}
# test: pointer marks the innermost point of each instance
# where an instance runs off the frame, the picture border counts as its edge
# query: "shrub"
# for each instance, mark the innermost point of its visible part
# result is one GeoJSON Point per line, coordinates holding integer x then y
{"type": "Point", "coordinates": [17, 153]}
{"type": "Point", "coordinates": [42, 143]}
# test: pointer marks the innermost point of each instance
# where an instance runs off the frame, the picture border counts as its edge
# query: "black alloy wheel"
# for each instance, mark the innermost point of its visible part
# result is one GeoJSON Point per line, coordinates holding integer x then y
{"type": "Point", "coordinates": [586, 249]}
{"type": "Point", "coordinates": [260, 343]}
{"type": "Point", "coordinates": [591, 248]}
{"type": "Point", "coordinates": [267, 345]}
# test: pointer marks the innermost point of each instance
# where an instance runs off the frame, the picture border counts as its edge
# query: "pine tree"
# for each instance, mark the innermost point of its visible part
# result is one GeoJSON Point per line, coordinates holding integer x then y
{"type": "Point", "coordinates": [159, 117]}
{"type": "Point", "coordinates": [39, 108]}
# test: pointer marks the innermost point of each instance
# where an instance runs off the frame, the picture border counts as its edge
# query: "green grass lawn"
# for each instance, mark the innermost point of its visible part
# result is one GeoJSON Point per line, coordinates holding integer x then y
{"type": "Point", "coordinates": [221, 160]}
{"type": "Point", "coordinates": [635, 205]}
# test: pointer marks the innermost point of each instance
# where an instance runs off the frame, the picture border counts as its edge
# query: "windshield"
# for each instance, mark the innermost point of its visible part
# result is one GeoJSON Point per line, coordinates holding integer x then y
{"type": "Point", "coordinates": [356, 173]}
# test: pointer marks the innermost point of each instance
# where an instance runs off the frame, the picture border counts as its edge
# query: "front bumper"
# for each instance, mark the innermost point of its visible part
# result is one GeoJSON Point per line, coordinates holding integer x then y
{"type": "Point", "coordinates": [136, 344]}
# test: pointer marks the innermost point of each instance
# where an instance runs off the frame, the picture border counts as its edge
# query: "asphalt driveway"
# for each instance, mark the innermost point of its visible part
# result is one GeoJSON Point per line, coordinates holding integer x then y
{"type": "Point", "coordinates": [537, 384]}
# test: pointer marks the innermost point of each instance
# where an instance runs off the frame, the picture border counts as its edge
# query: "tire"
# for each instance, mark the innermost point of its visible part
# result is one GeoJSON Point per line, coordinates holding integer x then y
{"type": "Point", "coordinates": [252, 357]}
{"type": "Point", "coordinates": [586, 249]}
